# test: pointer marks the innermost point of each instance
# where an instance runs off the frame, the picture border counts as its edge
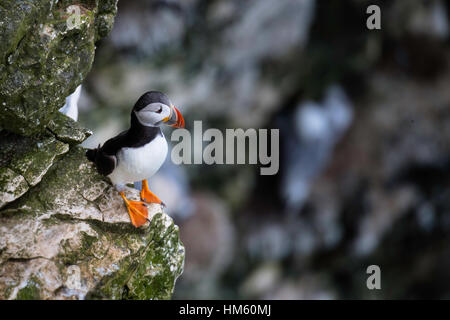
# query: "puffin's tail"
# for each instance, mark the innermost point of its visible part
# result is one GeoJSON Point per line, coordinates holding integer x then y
{"type": "Point", "coordinates": [91, 154]}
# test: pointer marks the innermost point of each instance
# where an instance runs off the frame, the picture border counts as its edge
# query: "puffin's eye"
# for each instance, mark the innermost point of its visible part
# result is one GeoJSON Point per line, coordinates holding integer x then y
{"type": "Point", "coordinates": [160, 110]}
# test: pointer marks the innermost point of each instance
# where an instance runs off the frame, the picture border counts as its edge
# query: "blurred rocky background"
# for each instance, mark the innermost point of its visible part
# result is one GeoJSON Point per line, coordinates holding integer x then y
{"type": "Point", "coordinates": [364, 119]}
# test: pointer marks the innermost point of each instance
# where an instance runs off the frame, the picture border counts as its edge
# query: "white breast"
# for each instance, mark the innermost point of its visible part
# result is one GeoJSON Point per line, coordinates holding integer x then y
{"type": "Point", "coordinates": [135, 164]}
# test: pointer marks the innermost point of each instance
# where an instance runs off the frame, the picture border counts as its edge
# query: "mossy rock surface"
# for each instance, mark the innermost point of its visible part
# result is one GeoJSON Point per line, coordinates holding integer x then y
{"type": "Point", "coordinates": [24, 161]}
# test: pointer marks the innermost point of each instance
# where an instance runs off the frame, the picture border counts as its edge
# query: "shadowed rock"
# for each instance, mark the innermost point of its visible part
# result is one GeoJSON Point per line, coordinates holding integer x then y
{"type": "Point", "coordinates": [70, 238]}
{"type": "Point", "coordinates": [45, 53]}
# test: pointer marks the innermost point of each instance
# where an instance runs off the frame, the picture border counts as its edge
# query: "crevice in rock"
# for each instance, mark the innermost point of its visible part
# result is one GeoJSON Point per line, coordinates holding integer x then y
{"type": "Point", "coordinates": [22, 259]}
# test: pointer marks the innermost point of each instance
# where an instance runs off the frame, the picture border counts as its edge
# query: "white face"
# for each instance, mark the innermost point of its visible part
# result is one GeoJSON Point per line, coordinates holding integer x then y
{"type": "Point", "coordinates": [153, 114]}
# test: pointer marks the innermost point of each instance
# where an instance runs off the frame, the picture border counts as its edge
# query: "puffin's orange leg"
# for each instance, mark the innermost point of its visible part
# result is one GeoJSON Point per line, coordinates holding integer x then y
{"type": "Point", "coordinates": [149, 196]}
{"type": "Point", "coordinates": [137, 210]}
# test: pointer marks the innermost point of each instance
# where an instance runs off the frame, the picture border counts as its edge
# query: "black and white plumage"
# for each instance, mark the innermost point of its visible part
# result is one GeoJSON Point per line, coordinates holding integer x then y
{"type": "Point", "coordinates": [138, 152]}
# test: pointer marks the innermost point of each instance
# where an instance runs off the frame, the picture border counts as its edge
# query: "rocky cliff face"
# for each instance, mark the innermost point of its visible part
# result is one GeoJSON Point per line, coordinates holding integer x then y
{"type": "Point", "coordinates": [64, 231]}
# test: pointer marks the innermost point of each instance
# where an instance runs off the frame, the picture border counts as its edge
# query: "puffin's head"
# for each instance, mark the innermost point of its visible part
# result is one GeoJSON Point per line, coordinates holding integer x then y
{"type": "Point", "coordinates": [154, 108]}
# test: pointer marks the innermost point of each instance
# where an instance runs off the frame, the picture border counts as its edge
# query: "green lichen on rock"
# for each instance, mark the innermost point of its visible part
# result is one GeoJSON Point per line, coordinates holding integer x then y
{"type": "Point", "coordinates": [15, 26]}
{"type": "Point", "coordinates": [152, 270]}
{"type": "Point", "coordinates": [12, 186]}
{"type": "Point", "coordinates": [24, 161]}
{"type": "Point", "coordinates": [35, 163]}
{"type": "Point", "coordinates": [105, 17]}
{"type": "Point", "coordinates": [46, 52]}
{"type": "Point", "coordinates": [30, 291]}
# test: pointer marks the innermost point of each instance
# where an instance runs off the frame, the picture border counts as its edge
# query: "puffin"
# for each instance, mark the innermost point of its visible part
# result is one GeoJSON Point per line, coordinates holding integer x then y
{"type": "Point", "coordinates": [137, 153]}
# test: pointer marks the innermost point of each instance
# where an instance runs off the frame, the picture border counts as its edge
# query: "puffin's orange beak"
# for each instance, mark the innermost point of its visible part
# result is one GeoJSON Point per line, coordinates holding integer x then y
{"type": "Point", "coordinates": [176, 119]}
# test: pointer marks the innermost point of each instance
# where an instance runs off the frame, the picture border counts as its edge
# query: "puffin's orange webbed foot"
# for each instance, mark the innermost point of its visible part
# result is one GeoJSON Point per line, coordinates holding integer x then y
{"type": "Point", "coordinates": [148, 196]}
{"type": "Point", "coordinates": [137, 210]}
